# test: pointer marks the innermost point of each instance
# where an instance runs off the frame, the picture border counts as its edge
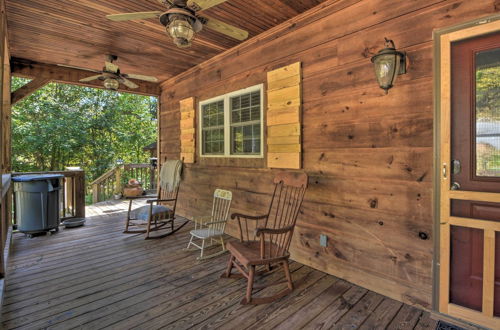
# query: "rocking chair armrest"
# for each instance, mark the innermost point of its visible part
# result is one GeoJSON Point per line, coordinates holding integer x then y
{"type": "Point", "coordinates": [139, 197]}
{"type": "Point", "coordinates": [249, 217]}
{"type": "Point", "coordinates": [160, 200]}
{"type": "Point", "coordinates": [271, 231]}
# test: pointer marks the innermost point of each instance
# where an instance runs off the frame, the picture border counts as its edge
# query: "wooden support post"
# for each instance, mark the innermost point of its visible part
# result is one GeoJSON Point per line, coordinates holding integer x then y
{"type": "Point", "coordinates": [79, 194]}
{"type": "Point", "coordinates": [28, 89]}
{"type": "Point", "coordinates": [118, 182]}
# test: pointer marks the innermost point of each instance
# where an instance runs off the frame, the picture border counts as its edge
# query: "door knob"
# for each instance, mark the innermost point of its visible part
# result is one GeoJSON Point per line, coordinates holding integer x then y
{"type": "Point", "coordinates": [455, 186]}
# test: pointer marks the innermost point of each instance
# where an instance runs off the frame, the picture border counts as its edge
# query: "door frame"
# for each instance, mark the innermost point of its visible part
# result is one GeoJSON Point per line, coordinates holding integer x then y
{"type": "Point", "coordinates": [442, 154]}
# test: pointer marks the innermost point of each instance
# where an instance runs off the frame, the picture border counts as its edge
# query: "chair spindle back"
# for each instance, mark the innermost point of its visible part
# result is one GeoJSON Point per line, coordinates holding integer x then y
{"type": "Point", "coordinates": [283, 212]}
{"type": "Point", "coordinates": [220, 208]}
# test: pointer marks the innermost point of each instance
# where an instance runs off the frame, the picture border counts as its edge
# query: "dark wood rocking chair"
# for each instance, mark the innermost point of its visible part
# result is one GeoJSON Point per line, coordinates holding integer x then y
{"type": "Point", "coordinates": [159, 215]}
{"type": "Point", "coordinates": [268, 244]}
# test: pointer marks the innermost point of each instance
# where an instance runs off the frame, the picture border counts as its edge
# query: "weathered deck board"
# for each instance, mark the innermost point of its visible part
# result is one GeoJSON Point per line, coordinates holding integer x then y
{"type": "Point", "coordinates": [96, 277]}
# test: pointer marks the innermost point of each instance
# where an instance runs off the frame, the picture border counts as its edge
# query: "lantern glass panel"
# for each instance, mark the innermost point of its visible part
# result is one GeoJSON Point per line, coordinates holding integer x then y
{"type": "Point", "coordinates": [386, 69]}
{"type": "Point", "coordinates": [181, 29]}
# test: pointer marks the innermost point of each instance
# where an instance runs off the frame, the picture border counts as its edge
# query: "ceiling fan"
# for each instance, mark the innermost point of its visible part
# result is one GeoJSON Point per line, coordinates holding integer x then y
{"type": "Point", "coordinates": [182, 20]}
{"type": "Point", "coordinates": [112, 76]}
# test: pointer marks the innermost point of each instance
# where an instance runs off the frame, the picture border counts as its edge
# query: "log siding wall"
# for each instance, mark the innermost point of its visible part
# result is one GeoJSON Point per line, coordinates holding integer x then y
{"type": "Point", "coordinates": [369, 155]}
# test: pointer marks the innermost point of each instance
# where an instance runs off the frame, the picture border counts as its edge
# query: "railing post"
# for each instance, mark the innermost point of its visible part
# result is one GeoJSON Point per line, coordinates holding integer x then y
{"type": "Point", "coordinates": [95, 193]}
{"type": "Point", "coordinates": [152, 178]}
{"type": "Point", "coordinates": [118, 177]}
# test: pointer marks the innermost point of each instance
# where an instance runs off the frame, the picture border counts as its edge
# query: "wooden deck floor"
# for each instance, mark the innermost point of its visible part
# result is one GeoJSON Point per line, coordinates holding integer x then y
{"type": "Point", "coordinates": [96, 277]}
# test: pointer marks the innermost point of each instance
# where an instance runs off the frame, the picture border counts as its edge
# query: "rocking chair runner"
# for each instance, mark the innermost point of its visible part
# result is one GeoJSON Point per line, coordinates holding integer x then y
{"type": "Point", "coordinates": [271, 239]}
{"type": "Point", "coordinates": [161, 210]}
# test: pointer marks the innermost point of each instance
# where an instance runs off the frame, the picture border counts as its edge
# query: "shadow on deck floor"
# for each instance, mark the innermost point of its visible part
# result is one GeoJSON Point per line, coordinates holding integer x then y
{"type": "Point", "coordinates": [96, 277]}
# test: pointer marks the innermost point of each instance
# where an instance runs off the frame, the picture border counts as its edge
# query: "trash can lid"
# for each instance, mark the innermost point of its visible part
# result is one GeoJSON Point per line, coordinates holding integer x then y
{"type": "Point", "coordinates": [36, 177]}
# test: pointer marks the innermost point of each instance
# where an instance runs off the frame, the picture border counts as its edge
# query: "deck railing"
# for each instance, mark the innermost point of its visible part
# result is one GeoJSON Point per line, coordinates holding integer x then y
{"type": "Point", "coordinates": [113, 181]}
{"type": "Point", "coordinates": [72, 198]}
{"type": "Point", "coordinates": [6, 223]}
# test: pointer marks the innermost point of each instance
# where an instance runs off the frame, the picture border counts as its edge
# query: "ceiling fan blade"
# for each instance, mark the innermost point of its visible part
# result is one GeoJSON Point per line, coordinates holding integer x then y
{"type": "Point", "coordinates": [78, 68]}
{"type": "Point", "coordinates": [140, 77]}
{"type": "Point", "coordinates": [203, 4]}
{"type": "Point", "coordinates": [133, 16]}
{"type": "Point", "coordinates": [90, 78]}
{"type": "Point", "coordinates": [128, 83]}
{"type": "Point", "coordinates": [225, 28]}
{"type": "Point", "coordinates": [111, 67]}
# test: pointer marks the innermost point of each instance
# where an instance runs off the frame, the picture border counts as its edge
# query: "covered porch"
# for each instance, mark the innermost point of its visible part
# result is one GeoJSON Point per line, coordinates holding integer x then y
{"type": "Point", "coordinates": [95, 277]}
{"type": "Point", "coordinates": [378, 238]}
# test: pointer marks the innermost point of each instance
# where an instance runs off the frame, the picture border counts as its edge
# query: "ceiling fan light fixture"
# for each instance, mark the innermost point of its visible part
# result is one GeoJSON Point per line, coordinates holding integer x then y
{"type": "Point", "coordinates": [181, 31]}
{"type": "Point", "coordinates": [111, 83]}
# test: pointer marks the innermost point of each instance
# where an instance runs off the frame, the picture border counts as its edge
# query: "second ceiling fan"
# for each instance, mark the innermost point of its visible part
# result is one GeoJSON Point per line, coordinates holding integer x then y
{"type": "Point", "coordinates": [182, 21]}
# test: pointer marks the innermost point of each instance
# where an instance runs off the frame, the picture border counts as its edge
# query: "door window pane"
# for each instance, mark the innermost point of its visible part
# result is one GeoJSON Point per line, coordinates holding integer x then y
{"type": "Point", "coordinates": [488, 113]}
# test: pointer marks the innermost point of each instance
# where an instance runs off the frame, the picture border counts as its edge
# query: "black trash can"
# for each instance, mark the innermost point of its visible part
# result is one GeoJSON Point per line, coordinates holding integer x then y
{"type": "Point", "coordinates": [37, 202]}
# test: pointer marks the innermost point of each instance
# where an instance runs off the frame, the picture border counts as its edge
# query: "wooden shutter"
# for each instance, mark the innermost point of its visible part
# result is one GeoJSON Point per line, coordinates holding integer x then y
{"type": "Point", "coordinates": [284, 102]}
{"type": "Point", "coordinates": [187, 123]}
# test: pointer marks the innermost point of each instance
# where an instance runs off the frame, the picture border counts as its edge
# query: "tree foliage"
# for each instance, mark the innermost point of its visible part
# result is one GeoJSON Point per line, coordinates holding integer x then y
{"type": "Point", "coordinates": [64, 125]}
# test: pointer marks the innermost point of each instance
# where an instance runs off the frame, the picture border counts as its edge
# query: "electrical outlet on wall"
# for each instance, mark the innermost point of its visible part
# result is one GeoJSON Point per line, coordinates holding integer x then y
{"type": "Point", "coordinates": [323, 240]}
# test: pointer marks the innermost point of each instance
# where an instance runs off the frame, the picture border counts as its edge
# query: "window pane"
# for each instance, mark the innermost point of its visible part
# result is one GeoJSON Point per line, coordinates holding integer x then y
{"type": "Point", "coordinates": [255, 98]}
{"type": "Point", "coordinates": [245, 101]}
{"type": "Point", "coordinates": [256, 145]}
{"type": "Point", "coordinates": [245, 123]}
{"type": "Point", "coordinates": [256, 130]}
{"type": "Point", "coordinates": [488, 113]}
{"type": "Point", "coordinates": [255, 113]}
{"type": "Point", "coordinates": [245, 114]}
{"type": "Point", "coordinates": [235, 117]}
{"type": "Point", "coordinates": [235, 103]}
{"type": "Point", "coordinates": [247, 132]}
{"type": "Point", "coordinates": [247, 146]}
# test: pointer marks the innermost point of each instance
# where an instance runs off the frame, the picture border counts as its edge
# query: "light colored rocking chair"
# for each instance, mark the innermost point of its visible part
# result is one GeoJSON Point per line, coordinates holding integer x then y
{"type": "Point", "coordinates": [157, 219]}
{"type": "Point", "coordinates": [212, 227]}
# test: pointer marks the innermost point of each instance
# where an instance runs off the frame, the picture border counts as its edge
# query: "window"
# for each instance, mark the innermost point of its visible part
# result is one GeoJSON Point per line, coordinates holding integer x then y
{"type": "Point", "coordinates": [213, 128]}
{"type": "Point", "coordinates": [231, 124]}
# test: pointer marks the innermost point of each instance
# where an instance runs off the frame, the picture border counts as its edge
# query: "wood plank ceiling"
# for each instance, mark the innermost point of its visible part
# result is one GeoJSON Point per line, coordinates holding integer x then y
{"type": "Point", "coordinates": [77, 33]}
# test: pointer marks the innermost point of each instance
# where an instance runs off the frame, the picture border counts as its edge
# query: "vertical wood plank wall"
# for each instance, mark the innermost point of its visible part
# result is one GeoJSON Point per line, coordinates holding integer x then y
{"type": "Point", "coordinates": [368, 155]}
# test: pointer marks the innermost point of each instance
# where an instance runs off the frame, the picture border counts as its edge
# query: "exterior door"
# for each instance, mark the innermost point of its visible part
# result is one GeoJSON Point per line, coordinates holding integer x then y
{"type": "Point", "coordinates": [470, 180]}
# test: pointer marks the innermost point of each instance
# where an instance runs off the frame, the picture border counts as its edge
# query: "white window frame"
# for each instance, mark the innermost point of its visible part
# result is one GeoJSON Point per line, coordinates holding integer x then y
{"type": "Point", "coordinates": [227, 123]}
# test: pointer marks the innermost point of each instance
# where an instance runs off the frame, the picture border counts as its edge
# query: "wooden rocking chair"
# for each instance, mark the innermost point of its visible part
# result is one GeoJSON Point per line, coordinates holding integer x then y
{"type": "Point", "coordinates": [212, 227]}
{"type": "Point", "coordinates": [160, 212]}
{"type": "Point", "coordinates": [268, 244]}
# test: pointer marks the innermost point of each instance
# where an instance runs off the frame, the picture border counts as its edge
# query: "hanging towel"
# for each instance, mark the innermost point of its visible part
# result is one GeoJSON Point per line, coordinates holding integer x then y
{"type": "Point", "coordinates": [170, 175]}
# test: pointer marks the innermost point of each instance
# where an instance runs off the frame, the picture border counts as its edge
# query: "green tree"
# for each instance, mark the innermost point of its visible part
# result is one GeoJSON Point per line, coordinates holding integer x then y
{"type": "Point", "coordinates": [64, 125]}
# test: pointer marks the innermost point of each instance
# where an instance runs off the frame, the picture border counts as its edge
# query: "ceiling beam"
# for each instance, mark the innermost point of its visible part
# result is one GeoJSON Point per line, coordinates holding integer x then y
{"type": "Point", "coordinates": [33, 70]}
{"type": "Point", "coordinates": [28, 89]}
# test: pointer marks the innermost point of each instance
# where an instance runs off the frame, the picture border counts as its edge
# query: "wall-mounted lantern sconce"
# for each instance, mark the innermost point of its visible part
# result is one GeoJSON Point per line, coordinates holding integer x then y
{"type": "Point", "coordinates": [389, 63]}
